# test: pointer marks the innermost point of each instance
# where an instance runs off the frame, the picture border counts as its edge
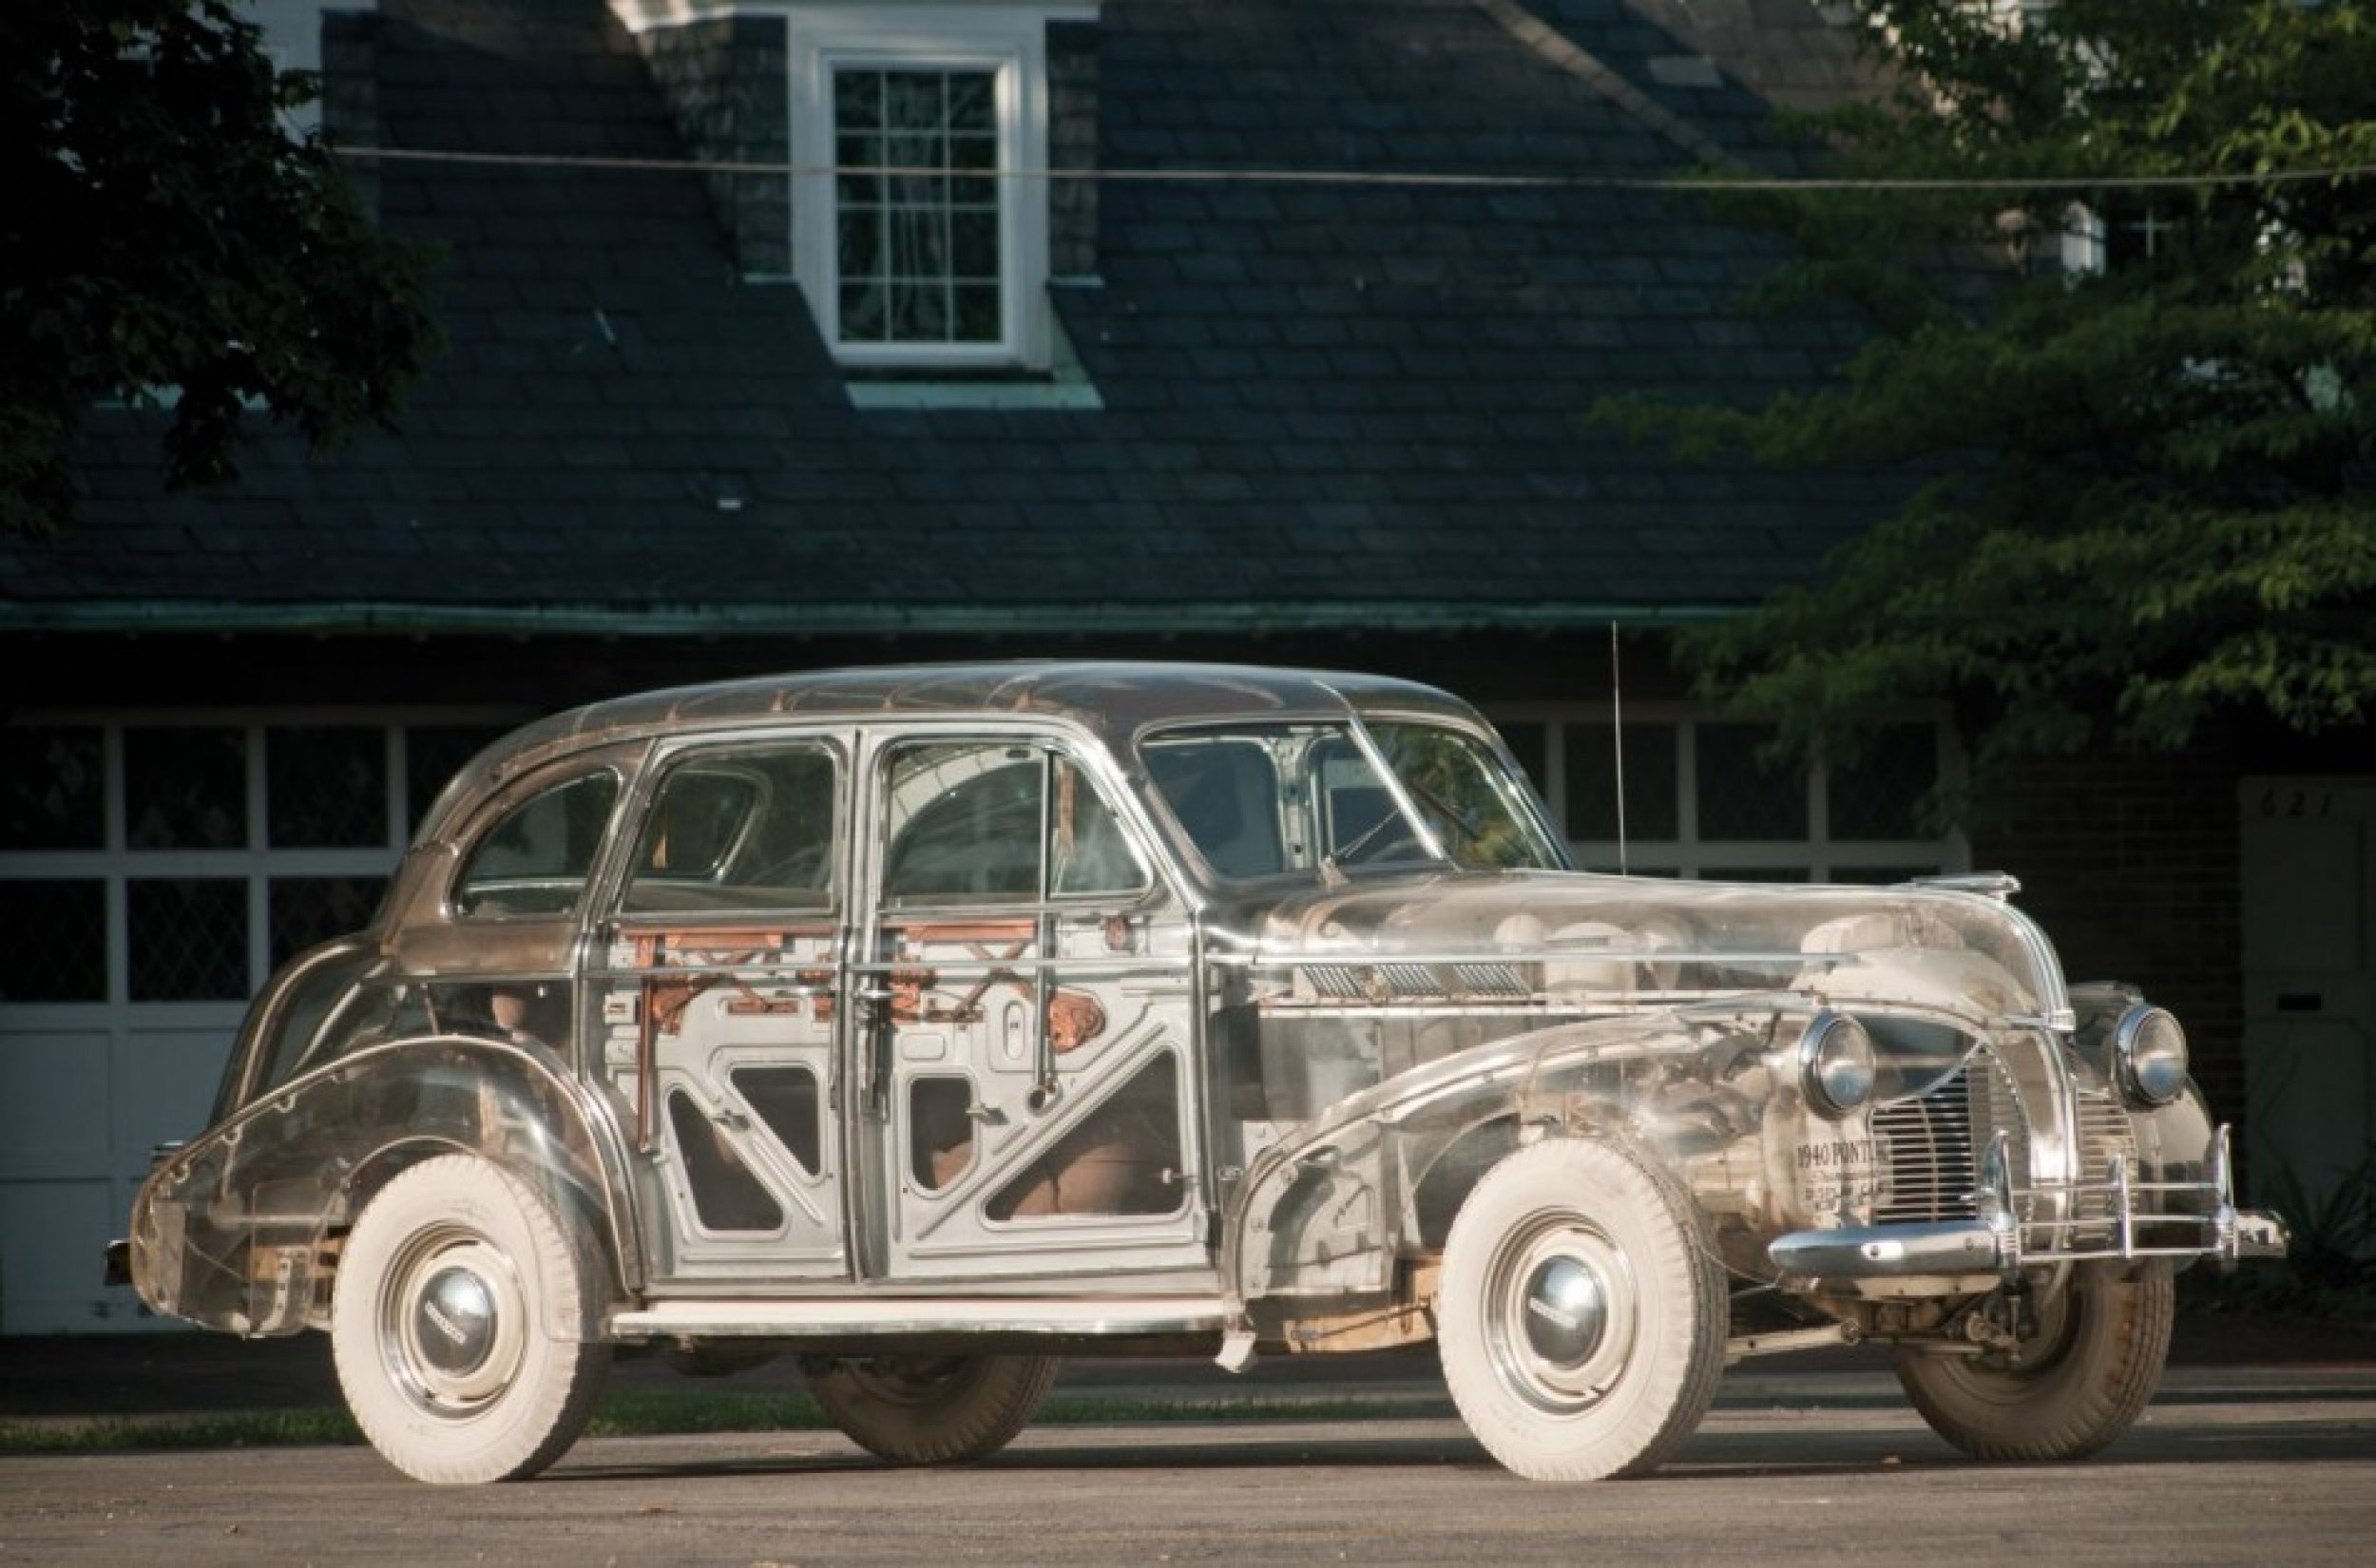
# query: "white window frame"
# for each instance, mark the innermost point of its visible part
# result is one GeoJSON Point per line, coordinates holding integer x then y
{"type": "Point", "coordinates": [1816, 852]}
{"type": "Point", "coordinates": [1008, 41]}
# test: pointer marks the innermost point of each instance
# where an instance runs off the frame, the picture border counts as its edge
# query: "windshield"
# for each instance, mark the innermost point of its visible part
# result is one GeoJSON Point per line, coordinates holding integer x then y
{"type": "Point", "coordinates": [1259, 799]}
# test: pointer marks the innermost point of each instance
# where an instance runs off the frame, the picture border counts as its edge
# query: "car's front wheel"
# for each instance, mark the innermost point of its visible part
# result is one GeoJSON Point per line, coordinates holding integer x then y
{"type": "Point", "coordinates": [439, 1326]}
{"type": "Point", "coordinates": [2079, 1381]}
{"type": "Point", "coordinates": [931, 1409]}
{"type": "Point", "coordinates": [1581, 1315]}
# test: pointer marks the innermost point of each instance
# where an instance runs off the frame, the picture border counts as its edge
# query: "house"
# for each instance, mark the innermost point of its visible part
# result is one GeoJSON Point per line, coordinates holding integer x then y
{"type": "Point", "coordinates": [1244, 329]}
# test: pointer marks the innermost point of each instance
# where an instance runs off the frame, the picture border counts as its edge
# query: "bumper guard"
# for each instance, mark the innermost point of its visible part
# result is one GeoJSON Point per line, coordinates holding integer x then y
{"type": "Point", "coordinates": [1999, 1241]}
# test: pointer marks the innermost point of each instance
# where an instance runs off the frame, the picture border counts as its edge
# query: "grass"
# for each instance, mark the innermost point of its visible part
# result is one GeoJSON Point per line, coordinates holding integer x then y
{"type": "Point", "coordinates": [663, 1412]}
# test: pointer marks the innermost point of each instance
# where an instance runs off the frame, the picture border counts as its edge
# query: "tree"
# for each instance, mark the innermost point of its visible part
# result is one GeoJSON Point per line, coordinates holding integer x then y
{"type": "Point", "coordinates": [167, 240]}
{"type": "Point", "coordinates": [2120, 283]}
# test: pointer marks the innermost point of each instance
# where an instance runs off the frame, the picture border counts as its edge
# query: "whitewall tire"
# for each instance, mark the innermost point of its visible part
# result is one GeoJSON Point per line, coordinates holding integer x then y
{"type": "Point", "coordinates": [1580, 1315]}
{"type": "Point", "coordinates": [439, 1326]}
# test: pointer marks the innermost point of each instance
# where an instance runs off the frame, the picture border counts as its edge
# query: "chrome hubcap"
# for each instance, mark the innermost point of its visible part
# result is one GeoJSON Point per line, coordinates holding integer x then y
{"type": "Point", "coordinates": [454, 1323]}
{"type": "Point", "coordinates": [1565, 1312]}
{"type": "Point", "coordinates": [1561, 1313]}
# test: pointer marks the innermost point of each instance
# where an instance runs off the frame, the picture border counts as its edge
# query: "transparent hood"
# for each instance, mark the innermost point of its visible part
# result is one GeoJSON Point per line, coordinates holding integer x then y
{"type": "Point", "coordinates": [1630, 941]}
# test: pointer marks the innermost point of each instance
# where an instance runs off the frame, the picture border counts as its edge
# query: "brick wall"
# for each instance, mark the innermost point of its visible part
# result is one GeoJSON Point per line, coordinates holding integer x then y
{"type": "Point", "coordinates": [2134, 866]}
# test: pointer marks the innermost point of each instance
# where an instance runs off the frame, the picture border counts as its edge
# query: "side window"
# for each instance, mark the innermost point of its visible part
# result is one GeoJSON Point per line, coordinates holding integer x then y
{"type": "Point", "coordinates": [1087, 852]}
{"type": "Point", "coordinates": [741, 831]}
{"type": "Point", "coordinates": [972, 823]}
{"type": "Point", "coordinates": [1225, 793]}
{"type": "Point", "coordinates": [535, 860]}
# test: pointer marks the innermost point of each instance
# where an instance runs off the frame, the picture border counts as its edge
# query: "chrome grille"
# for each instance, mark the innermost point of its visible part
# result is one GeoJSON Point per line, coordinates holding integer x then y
{"type": "Point", "coordinates": [1935, 1139]}
{"type": "Point", "coordinates": [2103, 1134]}
{"type": "Point", "coordinates": [1932, 1163]}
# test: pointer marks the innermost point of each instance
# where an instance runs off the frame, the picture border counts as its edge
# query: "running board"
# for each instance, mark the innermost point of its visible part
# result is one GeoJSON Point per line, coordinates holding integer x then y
{"type": "Point", "coordinates": [858, 1317]}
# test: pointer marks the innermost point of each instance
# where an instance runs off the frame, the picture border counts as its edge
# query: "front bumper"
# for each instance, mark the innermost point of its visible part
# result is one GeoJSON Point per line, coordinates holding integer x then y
{"type": "Point", "coordinates": [2122, 1219]}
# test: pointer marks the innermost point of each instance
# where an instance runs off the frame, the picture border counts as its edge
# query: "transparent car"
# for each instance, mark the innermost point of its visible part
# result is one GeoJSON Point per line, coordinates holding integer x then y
{"type": "Point", "coordinates": [931, 1025]}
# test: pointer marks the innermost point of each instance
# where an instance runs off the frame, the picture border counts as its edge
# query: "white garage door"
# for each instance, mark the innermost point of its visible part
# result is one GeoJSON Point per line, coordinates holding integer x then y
{"type": "Point", "coordinates": [154, 869]}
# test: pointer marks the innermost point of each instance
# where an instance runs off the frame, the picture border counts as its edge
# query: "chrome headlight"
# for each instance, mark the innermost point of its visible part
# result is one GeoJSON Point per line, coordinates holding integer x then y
{"type": "Point", "coordinates": [1835, 1063]}
{"type": "Point", "coordinates": [2149, 1055]}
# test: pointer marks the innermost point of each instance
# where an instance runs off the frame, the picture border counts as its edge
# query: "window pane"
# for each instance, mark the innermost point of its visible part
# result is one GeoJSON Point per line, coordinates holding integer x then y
{"type": "Point", "coordinates": [1088, 852]}
{"type": "Point", "coordinates": [919, 312]}
{"type": "Point", "coordinates": [914, 98]}
{"type": "Point", "coordinates": [186, 789]}
{"type": "Point", "coordinates": [1740, 794]}
{"type": "Point", "coordinates": [53, 941]}
{"type": "Point", "coordinates": [535, 861]}
{"type": "Point", "coordinates": [859, 98]}
{"type": "Point", "coordinates": [1876, 795]}
{"type": "Point", "coordinates": [1225, 795]}
{"type": "Point", "coordinates": [973, 245]}
{"type": "Point", "coordinates": [326, 788]}
{"type": "Point", "coordinates": [308, 910]}
{"type": "Point", "coordinates": [188, 939]}
{"type": "Point", "coordinates": [976, 314]}
{"type": "Point", "coordinates": [1590, 752]}
{"type": "Point", "coordinates": [53, 790]}
{"type": "Point", "coordinates": [744, 831]}
{"type": "Point", "coordinates": [971, 103]}
{"type": "Point", "coordinates": [965, 823]}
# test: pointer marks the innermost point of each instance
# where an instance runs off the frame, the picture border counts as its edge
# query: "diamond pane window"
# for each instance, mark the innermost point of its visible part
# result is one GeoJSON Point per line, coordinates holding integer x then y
{"type": "Point", "coordinates": [1591, 768]}
{"type": "Point", "coordinates": [1876, 795]}
{"type": "Point", "coordinates": [53, 941]}
{"type": "Point", "coordinates": [917, 229]}
{"type": "Point", "coordinates": [327, 788]}
{"type": "Point", "coordinates": [308, 910]}
{"type": "Point", "coordinates": [188, 938]}
{"type": "Point", "coordinates": [1743, 797]}
{"type": "Point", "coordinates": [186, 789]}
{"type": "Point", "coordinates": [53, 789]}
{"type": "Point", "coordinates": [432, 754]}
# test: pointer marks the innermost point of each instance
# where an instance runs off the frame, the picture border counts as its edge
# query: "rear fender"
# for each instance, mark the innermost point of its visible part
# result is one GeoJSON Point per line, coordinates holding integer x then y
{"type": "Point", "coordinates": [239, 1230]}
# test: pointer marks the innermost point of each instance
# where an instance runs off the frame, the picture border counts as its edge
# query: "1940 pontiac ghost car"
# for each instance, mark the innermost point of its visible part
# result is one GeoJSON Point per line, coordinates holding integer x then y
{"type": "Point", "coordinates": [929, 1023]}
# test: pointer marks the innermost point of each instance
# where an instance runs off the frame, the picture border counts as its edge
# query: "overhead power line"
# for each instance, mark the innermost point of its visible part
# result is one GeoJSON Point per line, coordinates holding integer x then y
{"type": "Point", "coordinates": [1410, 178]}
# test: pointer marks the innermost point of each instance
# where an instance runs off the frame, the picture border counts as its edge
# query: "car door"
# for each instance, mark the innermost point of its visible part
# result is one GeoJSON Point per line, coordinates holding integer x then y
{"type": "Point", "coordinates": [721, 1010]}
{"type": "Point", "coordinates": [1024, 1046]}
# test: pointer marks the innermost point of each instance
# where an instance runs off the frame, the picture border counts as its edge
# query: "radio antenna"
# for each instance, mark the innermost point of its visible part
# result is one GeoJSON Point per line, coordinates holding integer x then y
{"type": "Point", "coordinates": [1617, 737]}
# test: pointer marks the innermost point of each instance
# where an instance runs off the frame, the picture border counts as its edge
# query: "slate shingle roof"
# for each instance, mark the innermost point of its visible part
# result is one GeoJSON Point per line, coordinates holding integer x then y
{"type": "Point", "coordinates": [1323, 403]}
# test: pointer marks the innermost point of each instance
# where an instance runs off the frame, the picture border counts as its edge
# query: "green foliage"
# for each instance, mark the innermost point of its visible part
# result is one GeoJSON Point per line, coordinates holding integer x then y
{"type": "Point", "coordinates": [2137, 498]}
{"type": "Point", "coordinates": [168, 240]}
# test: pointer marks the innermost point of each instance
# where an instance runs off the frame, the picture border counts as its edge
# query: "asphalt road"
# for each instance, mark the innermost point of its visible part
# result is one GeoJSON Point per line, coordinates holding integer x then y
{"type": "Point", "coordinates": [2245, 1466]}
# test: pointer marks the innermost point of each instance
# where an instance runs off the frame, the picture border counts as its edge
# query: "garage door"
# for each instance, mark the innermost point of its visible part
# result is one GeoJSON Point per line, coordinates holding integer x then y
{"type": "Point", "coordinates": [154, 869]}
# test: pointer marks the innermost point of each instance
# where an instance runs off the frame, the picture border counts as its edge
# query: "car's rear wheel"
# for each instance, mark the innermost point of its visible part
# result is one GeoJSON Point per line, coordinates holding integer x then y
{"type": "Point", "coordinates": [1582, 1314]}
{"type": "Point", "coordinates": [931, 1409]}
{"type": "Point", "coordinates": [440, 1325]}
{"type": "Point", "coordinates": [2079, 1381]}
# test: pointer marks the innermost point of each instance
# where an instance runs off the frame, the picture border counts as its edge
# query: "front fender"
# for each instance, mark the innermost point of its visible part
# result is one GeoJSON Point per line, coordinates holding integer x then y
{"type": "Point", "coordinates": [236, 1231]}
{"type": "Point", "coordinates": [1330, 1208]}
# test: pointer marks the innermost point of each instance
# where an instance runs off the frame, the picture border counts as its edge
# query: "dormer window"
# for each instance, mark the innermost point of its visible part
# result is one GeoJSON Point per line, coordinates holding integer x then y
{"type": "Point", "coordinates": [920, 211]}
